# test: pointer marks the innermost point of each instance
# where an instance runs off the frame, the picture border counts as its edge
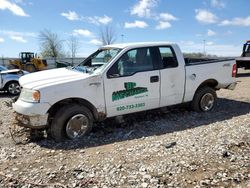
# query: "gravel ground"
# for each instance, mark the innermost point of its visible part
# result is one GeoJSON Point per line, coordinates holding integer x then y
{"type": "Point", "coordinates": [177, 148]}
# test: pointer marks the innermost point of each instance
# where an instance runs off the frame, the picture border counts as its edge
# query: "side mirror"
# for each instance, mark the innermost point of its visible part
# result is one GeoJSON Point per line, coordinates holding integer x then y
{"type": "Point", "coordinates": [113, 75]}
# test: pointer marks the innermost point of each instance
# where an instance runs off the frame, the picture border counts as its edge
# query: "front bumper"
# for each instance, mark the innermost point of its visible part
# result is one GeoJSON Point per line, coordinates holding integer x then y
{"type": "Point", "coordinates": [30, 109]}
{"type": "Point", "coordinates": [31, 115]}
{"type": "Point", "coordinates": [33, 122]}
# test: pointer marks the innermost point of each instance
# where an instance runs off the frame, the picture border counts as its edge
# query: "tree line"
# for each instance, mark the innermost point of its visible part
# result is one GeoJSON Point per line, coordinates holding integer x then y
{"type": "Point", "coordinates": [51, 45]}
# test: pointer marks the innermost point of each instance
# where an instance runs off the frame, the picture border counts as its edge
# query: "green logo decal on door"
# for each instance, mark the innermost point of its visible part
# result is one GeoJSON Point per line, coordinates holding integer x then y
{"type": "Point", "coordinates": [130, 90]}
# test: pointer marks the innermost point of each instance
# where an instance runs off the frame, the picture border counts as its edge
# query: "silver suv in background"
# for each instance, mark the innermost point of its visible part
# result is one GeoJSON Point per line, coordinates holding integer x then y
{"type": "Point", "coordinates": [9, 80]}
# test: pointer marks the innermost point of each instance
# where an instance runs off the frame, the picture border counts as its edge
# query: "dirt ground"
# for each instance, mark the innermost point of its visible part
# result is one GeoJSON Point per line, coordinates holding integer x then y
{"type": "Point", "coordinates": [177, 148]}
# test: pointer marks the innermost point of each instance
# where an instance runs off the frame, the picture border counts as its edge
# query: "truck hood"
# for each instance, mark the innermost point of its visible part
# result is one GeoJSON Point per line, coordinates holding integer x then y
{"type": "Point", "coordinates": [14, 71]}
{"type": "Point", "coordinates": [51, 77]}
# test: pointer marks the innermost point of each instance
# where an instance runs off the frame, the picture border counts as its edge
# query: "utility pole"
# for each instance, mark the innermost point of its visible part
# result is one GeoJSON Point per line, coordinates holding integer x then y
{"type": "Point", "coordinates": [204, 48]}
{"type": "Point", "coordinates": [3, 60]}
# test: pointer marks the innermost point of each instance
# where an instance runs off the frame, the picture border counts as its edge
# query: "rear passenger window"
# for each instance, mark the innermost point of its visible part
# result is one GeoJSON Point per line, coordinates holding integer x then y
{"type": "Point", "coordinates": [168, 57]}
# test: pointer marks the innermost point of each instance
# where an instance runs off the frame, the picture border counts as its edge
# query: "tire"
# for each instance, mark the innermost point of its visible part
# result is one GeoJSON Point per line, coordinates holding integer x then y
{"type": "Point", "coordinates": [30, 68]}
{"type": "Point", "coordinates": [204, 99]}
{"type": "Point", "coordinates": [65, 121]}
{"type": "Point", "coordinates": [13, 88]}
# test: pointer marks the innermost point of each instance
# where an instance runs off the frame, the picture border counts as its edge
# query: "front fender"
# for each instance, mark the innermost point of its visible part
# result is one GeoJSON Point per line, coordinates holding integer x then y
{"type": "Point", "coordinates": [6, 78]}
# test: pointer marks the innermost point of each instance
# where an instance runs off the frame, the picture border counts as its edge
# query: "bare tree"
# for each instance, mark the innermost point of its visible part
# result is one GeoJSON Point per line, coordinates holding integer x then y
{"type": "Point", "coordinates": [51, 45]}
{"type": "Point", "coordinates": [107, 35]}
{"type": "Point", "coordinates": [73, 45]}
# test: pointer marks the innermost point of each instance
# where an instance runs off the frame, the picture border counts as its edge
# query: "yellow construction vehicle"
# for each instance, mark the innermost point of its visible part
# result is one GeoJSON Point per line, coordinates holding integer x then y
{"type": "Point", "coordinates": [28, 61]}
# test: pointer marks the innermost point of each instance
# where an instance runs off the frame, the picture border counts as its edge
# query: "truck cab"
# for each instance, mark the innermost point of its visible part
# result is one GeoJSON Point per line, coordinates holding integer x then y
{"type": "Point", "coordinates": [135, 81]}
{"type": "Point", "coordinates": [26, 57]}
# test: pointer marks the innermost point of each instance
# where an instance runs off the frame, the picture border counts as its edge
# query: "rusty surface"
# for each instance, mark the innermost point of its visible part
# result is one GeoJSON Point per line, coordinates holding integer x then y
{"type": "Point", "coordinates": [101, 116]}
{"type": "Point", "coordinates": [33, 122]}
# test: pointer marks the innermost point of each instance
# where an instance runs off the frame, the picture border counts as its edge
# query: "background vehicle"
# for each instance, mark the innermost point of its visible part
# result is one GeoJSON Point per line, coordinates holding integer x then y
{"type": "Point", "coordinates": [28, 62]}
{"type": "Point", "coordinates": [9, 80]}
{"type": "Point", "coordinates": [117, 80]}
{"type": "Point", "coordinates": [244, 60]}
{"type": "Point", "coordinates": [62, 64]}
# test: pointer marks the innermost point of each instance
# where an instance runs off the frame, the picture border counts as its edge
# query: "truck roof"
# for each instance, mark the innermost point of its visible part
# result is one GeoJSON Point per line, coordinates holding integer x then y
{"type": "Point", "coordinates": [137, 44]}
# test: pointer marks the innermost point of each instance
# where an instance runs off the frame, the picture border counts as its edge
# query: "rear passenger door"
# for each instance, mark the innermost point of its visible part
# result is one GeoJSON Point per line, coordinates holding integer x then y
{"type": "Point", "coordinates": [172, 77]}
{"type": "Point", "coordinates": [132, 84]}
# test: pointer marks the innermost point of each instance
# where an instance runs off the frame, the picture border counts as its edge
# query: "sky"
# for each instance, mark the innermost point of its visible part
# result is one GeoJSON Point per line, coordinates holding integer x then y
{"type": "Point", "coordinates": [221, 26]}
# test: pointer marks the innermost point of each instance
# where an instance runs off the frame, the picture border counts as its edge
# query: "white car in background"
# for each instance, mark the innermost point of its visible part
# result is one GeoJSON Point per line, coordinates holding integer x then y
{"type": "Point", "coordinates": [9, 80]}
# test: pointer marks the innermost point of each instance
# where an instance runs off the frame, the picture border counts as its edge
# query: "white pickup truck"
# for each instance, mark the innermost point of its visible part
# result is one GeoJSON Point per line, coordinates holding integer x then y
{"type": "Point", "coordinates": [116, 80]}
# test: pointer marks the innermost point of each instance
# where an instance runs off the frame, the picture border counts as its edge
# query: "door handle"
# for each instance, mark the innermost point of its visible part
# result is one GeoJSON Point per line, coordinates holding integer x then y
{"type": "Point", "coordinates": [154, 79]}
{"type": "Point", "coordinates": [95, 84]}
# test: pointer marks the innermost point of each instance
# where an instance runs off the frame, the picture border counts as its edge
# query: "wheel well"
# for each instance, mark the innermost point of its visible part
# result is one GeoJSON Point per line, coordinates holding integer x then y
{"type": "Point", "coordinates": [52, 111]}
{"type": "Point", "coordinates": [11, 81]}
{"type": "Point", "coordinates": [210, 83]}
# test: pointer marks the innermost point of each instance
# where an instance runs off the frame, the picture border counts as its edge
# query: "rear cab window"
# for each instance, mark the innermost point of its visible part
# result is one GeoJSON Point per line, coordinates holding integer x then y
{"type": "Point", "coordinates": [167, 57]}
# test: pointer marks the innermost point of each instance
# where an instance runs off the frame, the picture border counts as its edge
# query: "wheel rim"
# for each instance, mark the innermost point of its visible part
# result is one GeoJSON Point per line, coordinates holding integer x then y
{"type": "Point", "coordinates": [207, 102]}
{"type": "Point", "coordinates": [14, 88]}
{"type": "Point", "coordinates": [77, 126]}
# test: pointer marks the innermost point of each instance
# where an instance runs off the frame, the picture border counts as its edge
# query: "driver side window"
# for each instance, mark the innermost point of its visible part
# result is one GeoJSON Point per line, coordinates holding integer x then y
{"type": "Point", "coordinates": [136, 60]}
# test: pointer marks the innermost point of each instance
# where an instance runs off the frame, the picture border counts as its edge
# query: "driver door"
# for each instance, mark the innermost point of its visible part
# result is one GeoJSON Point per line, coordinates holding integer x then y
{"type": "Point", "coordinates": [132, 84]}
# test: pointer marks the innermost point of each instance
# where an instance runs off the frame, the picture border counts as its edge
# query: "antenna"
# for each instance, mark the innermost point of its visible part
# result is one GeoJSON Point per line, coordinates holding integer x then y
{"type": "Point", "coordinates": [204, 48]}
{"type": "Point", "coordinates": [122, 36]}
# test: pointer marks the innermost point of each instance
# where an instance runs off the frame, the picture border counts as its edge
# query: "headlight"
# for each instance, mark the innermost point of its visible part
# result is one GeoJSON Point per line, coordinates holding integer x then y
{"type": "Point", "coordinates": [29, 95]}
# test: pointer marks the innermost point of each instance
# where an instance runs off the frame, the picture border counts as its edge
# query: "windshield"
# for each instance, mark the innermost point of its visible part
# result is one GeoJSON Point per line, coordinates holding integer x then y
{"type": "Point", "coordinates": [2, 68]}
{"type": "Point", "coordinates": [98, 60]}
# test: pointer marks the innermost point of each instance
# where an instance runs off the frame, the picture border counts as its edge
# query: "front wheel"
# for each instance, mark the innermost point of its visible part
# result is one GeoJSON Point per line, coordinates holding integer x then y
{"type": "Point", "coordinates": [71, 121]}
{"type": "Point", "coordinates": [204, 99]}
{"type": "Point", "coordinates": [30, 68]}
{"type": "Point", "coordinates": [13, 88]}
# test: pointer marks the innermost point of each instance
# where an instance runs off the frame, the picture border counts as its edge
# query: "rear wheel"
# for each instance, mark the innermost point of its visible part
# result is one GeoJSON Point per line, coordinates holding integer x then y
{"type": "Point", "coordinates": [13, 88]}
{"type": "Point", "coordinates": [30, 68]}
{"type": "Point", "coordinates": [72, 122]}
{"type": "Point", "coordinates": [204, 99]}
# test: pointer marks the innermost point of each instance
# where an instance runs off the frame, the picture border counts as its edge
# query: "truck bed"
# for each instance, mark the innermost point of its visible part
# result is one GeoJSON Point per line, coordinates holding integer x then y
{"type": "Point", "coordinates": [197, 72]}
{"type": "Point", "coordinates": [243, 62]}
{"type": "Point", "coordinates": [198, 61]}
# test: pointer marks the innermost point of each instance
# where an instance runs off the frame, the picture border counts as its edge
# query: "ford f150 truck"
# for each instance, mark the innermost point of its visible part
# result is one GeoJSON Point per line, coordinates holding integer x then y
{"type": "Point", "coordinates": [117, 80]}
